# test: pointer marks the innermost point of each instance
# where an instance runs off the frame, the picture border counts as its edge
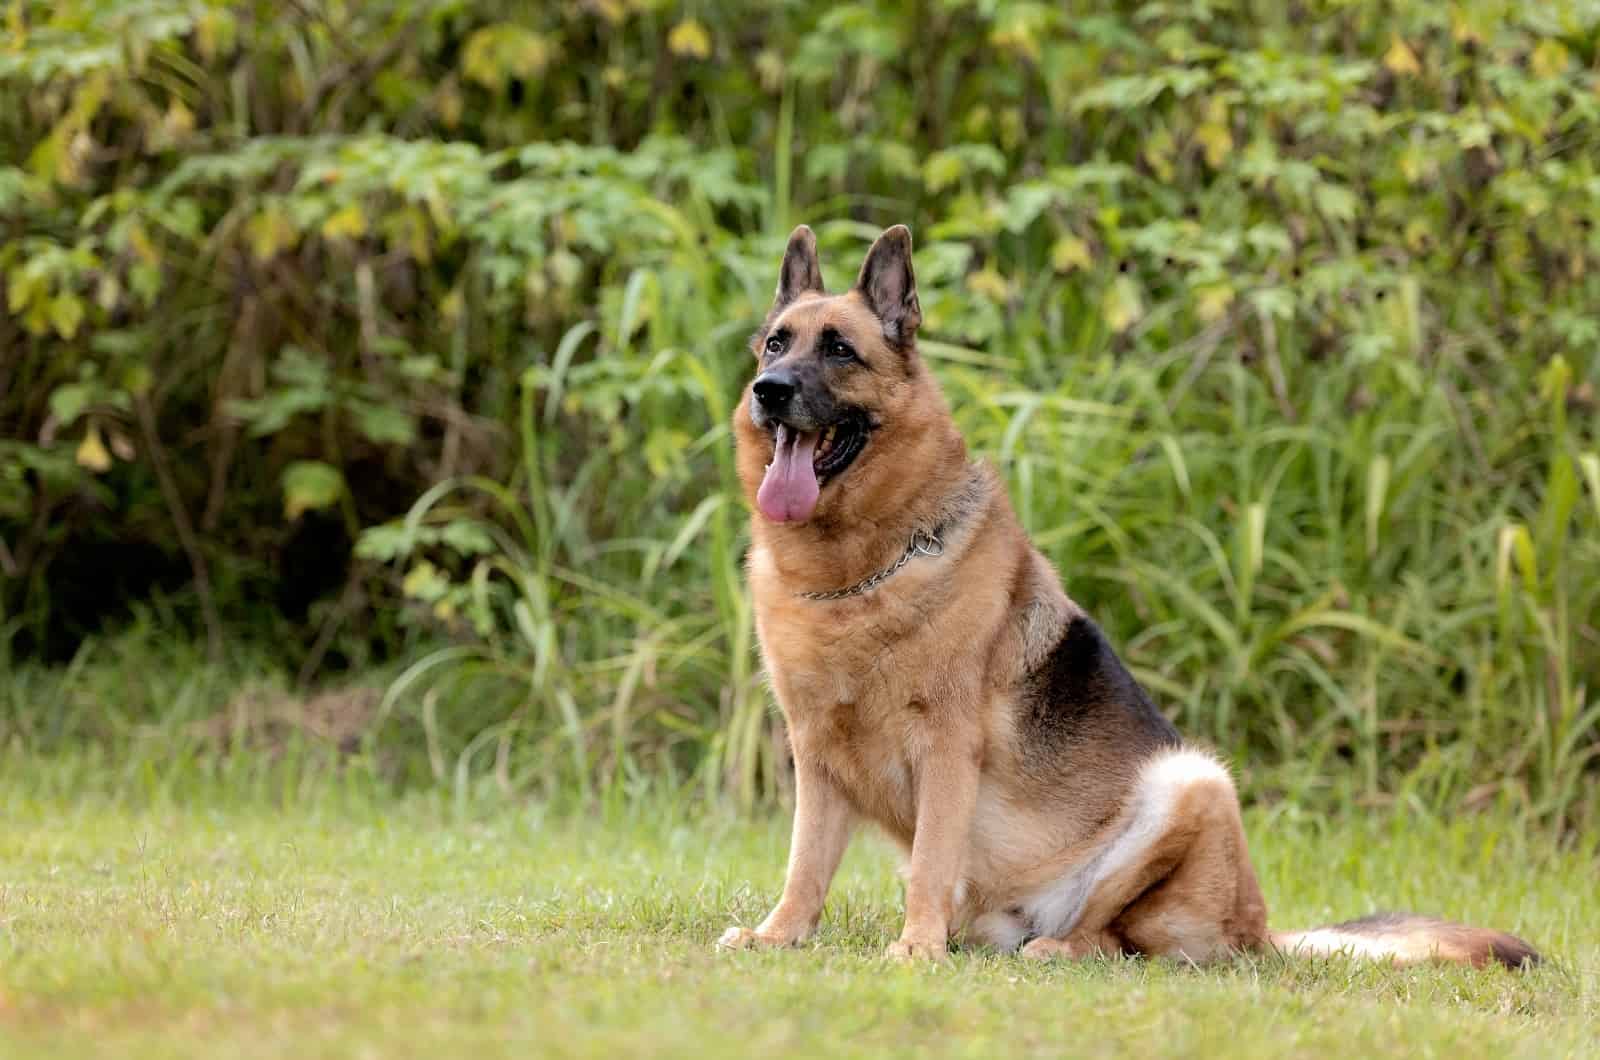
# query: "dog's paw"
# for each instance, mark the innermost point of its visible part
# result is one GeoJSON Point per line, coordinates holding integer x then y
{"type": "Point", "coordinates": [909, 951]}
{"type": "Point", "coordinates": [1069, 949]}
{"type": "Point", "coordinates": [740, 938]}
{"type": "Point", "coordinates": [1043, 949]}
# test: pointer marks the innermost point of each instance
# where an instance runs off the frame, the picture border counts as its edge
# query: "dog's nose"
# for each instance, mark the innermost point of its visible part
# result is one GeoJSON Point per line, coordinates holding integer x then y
{"type": "Point", "coordinates": [774, 390]}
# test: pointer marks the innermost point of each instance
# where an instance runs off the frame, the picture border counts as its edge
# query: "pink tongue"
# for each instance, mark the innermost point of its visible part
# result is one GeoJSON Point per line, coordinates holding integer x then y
{"type": "Point", "coordinates": [789, 492]}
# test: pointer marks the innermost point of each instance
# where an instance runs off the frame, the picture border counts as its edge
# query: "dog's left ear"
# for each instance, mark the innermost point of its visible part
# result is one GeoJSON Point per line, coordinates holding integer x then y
{"type": "Point", "coordinates": [889, 288]}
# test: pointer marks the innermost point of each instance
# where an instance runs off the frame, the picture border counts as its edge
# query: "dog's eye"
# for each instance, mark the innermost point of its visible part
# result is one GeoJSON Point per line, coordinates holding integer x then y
{"type": "Point", "coordinates": [774, 345]}
{"type": "Point", "coordinates": [841, 350]}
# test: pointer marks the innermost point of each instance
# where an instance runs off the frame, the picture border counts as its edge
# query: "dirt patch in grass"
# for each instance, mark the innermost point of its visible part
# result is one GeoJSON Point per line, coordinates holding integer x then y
{"type": "Point", "coordinates": [268, 722]}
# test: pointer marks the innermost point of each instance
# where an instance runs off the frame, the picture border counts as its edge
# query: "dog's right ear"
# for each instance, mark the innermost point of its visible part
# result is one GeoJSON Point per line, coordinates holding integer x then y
{"type": "Point", "coordinates": [800, 272]}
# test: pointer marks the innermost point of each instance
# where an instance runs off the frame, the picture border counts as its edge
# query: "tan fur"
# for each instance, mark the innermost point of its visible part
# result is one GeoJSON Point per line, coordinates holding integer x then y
{"type": "Point", "coordinates": [905, 705]}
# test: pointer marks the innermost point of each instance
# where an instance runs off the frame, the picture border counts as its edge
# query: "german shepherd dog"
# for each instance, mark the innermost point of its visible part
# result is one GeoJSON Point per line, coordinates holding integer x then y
{"type": "Point", "coordinates": [937, 681]}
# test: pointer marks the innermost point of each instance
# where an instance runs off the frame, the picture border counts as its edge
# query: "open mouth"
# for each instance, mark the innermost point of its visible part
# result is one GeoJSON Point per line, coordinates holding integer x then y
{"type": "Point", "coordinates": [839, 446]}
{"type": "Point", "coordinates": [802, 461]}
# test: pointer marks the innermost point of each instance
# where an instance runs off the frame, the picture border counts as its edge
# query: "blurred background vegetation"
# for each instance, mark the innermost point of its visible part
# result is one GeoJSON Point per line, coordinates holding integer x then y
{"type": "Point", "coordinates": [367, 368]}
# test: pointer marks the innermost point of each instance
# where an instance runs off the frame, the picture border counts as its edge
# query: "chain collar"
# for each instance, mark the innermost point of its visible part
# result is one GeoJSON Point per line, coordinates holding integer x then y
{"type": "Point", "coordinates": [922, 543]}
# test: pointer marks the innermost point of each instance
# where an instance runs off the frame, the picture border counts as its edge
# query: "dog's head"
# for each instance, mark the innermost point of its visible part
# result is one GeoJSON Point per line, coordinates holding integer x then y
{"type": "Point", "coordinates": [835, 374]}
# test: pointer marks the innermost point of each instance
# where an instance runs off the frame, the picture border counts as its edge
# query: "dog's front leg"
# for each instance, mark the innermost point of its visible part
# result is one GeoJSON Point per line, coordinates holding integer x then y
{"type": "Point", "coordinates": [822, 820]}
{"type": "Point", "coordinates": [947, 793]}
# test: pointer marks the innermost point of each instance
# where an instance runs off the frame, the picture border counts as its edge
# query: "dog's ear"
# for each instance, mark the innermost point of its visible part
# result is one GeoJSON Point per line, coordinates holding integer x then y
{"type": "Point", "coordinates": [889, 288]}
{"type": "Point", "coordinates": [800, 272]}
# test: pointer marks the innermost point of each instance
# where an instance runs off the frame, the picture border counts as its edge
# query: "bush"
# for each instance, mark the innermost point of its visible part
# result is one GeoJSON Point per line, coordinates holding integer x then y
{"type": "Point", "coordinates": [1278, 319]}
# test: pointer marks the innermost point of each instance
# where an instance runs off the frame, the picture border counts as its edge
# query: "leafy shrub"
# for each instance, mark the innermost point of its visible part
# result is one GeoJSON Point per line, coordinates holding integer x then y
{"type": "Point", "coordinates": [1278, 318]}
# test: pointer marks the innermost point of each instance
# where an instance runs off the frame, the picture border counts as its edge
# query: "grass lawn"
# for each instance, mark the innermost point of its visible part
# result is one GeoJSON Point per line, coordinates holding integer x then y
{"type": "Point", "coordinates": [202, 923]}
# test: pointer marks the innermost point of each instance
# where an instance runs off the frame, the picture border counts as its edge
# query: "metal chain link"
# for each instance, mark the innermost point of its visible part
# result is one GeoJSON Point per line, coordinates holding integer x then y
{"type": "Point", "coordinates": [923, 543]}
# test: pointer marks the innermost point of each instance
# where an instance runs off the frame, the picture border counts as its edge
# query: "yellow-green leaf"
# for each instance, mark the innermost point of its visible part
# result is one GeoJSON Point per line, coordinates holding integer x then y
{"type": "Point", "coordinates": [1377, 497]}
{"type": "Point", "coordinates": [770, 68]}
{"type": "Point", "coordinates": [214, 32]}
{"type": "Point", "coordinates": [1515, 544]}
{"type": "Point", "coordinates": [1527, 560]}
{"type": "Point", "coordinates": [451, 305]}
{"type": "Point", "coordinates": [347, 223]}
{"type": "Point", "coordinates": [1553, 379]}
{"type": "Point", "coordinates": [1550, 58]}
{"type": "Point", "coordinates": [66, 313]}
{"type": "Point", "coordinates": [664, 449]}
{"type": "Point", "coordinates": [1216, 141]}
{"type": "Point", "coordinates": [1121, 304]}
{"type": "Point", "coordinates": [1070, 252]}
{"type": "Point", "coordinates": [1255, 516]}
{"type": "Point", "coordinates": [1159, 147]}
{"type": "Point", "coordinates": [141, 244]}
{"type": "Point", "coordinates": [1465, 26]}
{"type": "Point", "coordinates": [566, 268]}
{"type": "Point", "coordinates": [1019, 35]}
{"type": "Point", "coordinates": [108, 291]}
{"type": "Point", "coordinates": [310, 485]}
{"type": "Point", "coordinates": [1213, 134]}
{"type": "Point", "coordinates": [690, 39]}
{"type": "Point", "coordinates": [1212, 302]}
{"type": "Point", "coordinates": [613, 11]}
{"type": "Point", "coordinates": [942, 169]}
{"type": "Point", "coordinates": [178, 122]}
{"type": "Point", "coordinates": [424, 582]}
{"type": "Point", "coordinates": [137, 378]}
{"type": "Point", "coordinates": [1418, 232]}
{"type": "Point", "coordinates": [495, 54]}
{"type": "Point", "coordinates": [92, 453]}
{"type": "Point", "coordinates": [1400, 59]}
{"type": "Point", "coordinates": [989, 283]}
{"type": "Point", "coordinates": [1590, 463]}
{"type": "Point", "coordinates": [269, 233]}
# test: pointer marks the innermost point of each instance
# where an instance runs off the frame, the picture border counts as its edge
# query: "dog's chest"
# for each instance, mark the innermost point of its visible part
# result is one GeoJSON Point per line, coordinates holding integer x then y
{"type": "Point", "coordinates": [869, 752]}
{"type": "Point", "coordinates": [855, 704]}
{"type": "Point", "coordinates": [868, 686]}
{"type": "Point", "coordinates": [873, 652]}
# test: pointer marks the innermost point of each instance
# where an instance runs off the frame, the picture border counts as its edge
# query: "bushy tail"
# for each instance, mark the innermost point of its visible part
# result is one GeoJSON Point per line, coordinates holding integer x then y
{"type": "Point", "coordinates": [1404, 938]}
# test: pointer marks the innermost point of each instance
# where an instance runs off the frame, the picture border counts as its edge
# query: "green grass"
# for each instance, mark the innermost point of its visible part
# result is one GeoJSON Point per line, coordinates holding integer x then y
{"type": "Point", "coordinates": [200, 921]}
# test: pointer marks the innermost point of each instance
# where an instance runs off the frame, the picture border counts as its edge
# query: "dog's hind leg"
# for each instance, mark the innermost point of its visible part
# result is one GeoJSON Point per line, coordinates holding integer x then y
{"type": "Point", "coordinates": [1176, 881]}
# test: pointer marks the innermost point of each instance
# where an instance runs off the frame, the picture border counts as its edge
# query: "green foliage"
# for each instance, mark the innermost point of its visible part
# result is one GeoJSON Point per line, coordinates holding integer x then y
{"type": "Point", "coordinates": [1278, 320]}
